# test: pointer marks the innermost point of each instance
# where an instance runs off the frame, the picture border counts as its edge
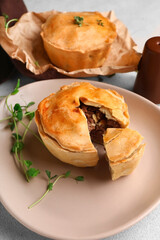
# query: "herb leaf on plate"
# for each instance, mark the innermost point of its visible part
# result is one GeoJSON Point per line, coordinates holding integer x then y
{"type": "Point", "coordinates": [51, 184]}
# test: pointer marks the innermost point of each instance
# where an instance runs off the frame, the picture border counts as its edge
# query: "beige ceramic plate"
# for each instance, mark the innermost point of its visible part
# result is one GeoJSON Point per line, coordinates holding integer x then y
{"type": "Point", "coordinates": [95, 208]}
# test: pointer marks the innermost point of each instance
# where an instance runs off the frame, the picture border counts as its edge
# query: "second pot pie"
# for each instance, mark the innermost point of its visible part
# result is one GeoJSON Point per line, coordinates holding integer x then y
{"type": "Point", "coordinates": [78, 40]}
{"type": "Point", "coordinates": [69, 120]}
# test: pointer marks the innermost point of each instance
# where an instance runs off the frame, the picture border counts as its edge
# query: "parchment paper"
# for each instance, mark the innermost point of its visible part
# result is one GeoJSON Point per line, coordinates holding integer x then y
{"type": "Point", "coordinates": [23, 42]}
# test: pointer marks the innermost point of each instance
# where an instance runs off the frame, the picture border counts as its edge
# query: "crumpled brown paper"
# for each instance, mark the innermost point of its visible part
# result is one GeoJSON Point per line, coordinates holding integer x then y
{"type": "Point", "coordinates": [23, 42]}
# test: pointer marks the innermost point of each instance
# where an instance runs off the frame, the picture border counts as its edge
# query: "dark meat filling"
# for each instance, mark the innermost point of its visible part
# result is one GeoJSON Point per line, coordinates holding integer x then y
{"type": "Point", "coordinates": [97, 122]}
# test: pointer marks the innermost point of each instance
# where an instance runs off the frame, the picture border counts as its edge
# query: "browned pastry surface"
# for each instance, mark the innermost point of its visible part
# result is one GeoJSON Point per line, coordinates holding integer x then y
{"type": "Point", "coordinates": [123, 149]}
{"type": "Point", "coordinates": [71, 46]}
{"type": "Point", "coordinates": [64, 117]}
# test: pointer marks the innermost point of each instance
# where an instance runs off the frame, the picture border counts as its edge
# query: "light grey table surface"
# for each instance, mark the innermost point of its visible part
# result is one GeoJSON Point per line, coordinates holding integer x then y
{"type": "Point", "coordinates": [142, 17]}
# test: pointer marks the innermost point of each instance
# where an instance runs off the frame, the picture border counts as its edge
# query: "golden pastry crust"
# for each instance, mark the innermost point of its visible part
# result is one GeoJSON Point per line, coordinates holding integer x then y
{"type": "Point", "coordinates": [124, 150]}
{"type": "Point", "coordinates": [63, 125]}
{"type": "Point", "coordinates": [71, 47]}
{"type": "Point", "coordinates": [63, 120]}
{"type": "Point", "coordinates": [79, 159]}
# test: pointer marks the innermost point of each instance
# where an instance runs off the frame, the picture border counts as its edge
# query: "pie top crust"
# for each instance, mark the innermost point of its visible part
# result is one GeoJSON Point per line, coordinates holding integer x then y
{"type": "Point", "coordinates": [63, 120]}
{"type": "Point", "coordinates": [61, 31]}
{"type": "Point", "coordinates": [121, 143]}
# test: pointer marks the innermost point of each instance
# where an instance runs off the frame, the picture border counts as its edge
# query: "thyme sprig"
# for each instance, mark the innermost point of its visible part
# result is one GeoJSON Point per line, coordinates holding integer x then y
{"type": "Point", "coordinates": [51, 184]}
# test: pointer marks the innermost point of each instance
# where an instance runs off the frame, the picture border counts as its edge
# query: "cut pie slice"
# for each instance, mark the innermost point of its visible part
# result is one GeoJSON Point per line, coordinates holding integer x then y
{"type": "Point", "coordinates": [124, 150]}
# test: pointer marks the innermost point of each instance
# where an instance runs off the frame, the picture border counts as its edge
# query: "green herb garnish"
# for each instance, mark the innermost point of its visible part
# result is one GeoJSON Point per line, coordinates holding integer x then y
{"type": "Point", "coordinates": [51, 184]}
{"type": "Point", "coordinates": [37, 64]}
{"type": "Point", "coordinates": [79, 178]}
{"type": "Point", "coordinates": [5, 18]}
{"type": "Point", "coordinates": [17, 113]}
{"type": "Point", "coordinates": [7, 23]}
{"type": "Point", "coordinates": [78, 20]}
{"type": "Point", "coordinates": [99, 21]}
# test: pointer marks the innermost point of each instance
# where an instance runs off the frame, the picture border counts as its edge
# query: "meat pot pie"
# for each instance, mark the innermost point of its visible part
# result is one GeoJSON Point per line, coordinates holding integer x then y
{"type": "Point", "coordinates": [78, 40]}
{"type": "Point", "coordinates": [124, 150]}
{"type": "Point", "coordinates": [77, 115]}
